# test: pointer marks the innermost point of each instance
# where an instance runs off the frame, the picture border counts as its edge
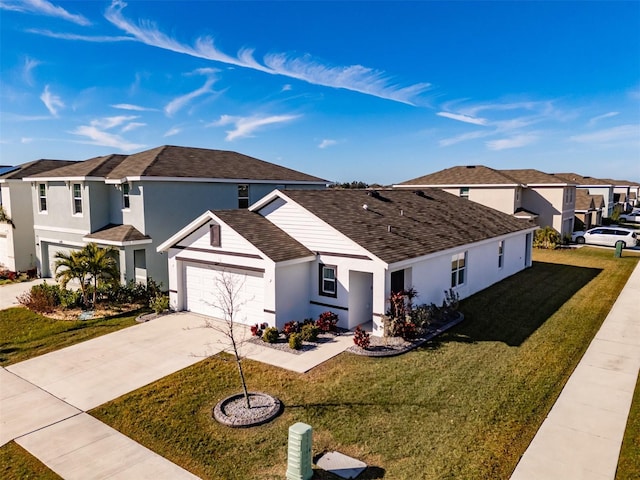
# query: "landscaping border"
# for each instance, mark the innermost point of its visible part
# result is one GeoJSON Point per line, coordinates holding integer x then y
{"type": "Point", "coordinates": [231, 411]}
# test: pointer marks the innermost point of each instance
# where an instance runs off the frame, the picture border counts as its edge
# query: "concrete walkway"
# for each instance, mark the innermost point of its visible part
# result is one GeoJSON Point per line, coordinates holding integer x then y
{"type": "Point", "coordinates": [581, 437]}
{"type": "Point", "coordinates": [43, 400]}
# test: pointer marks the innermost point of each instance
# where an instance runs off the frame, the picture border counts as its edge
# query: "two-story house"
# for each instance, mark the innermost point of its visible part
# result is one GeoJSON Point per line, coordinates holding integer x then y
{"type": "Point", "coordinates": [17, 243]}
{"type": "Point", "coordinates": [135, 202]}
{"type": "Point", "coordinates": [595, 186]}
{"type": "Point", "coordinates": [588, 210]}
{"type": "Point", "coordinates": [526, 193]}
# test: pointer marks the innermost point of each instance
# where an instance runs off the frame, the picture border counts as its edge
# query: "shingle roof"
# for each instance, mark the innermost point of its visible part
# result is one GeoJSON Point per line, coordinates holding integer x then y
{"type": "Point", "coordinates": [189, 162]}
{"type": "Point", "coordinates": [264, 235]}
{"type": "Point", "coordinates": [530, 176]}
{"type": "Point", "coordinates": [118, 233]}
{"type": "Point", "coordinates": [419, 224]}
{"type": "Point", "coordinates": [580, 180]}
{"type": "Point", "coordinates": [34, 168]}
{"type": "Point", "coordinates": [94, 167]}
{"type": "Point", "coordinates": [584, 201]}
{"type": "Point", "coordinates": [463, 175]}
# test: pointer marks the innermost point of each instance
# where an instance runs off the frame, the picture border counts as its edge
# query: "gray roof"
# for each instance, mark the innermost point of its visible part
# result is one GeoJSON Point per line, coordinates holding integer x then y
{"type": "Point", "coordinates": [118, 233]}
{"type": "Point", "coordinates": [264, 235]}
{"type": "Point", "coordinates": [400, 224]}
{"type": "Point", "coordinates": [35, 168]}
{"type": "Point", "coordinates": [463, 175]}
{"type": "Point", "coordinates": [580, 180]}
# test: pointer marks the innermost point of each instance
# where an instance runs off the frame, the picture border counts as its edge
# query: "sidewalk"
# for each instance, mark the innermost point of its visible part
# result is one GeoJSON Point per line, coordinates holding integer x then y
{"type": "Point", "coordinates": [10, 291]}
{"type": "Point", "coordinates": [581, 437]}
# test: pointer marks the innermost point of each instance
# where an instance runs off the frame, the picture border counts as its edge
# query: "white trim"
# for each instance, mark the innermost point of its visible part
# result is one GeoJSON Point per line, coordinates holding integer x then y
{"type": "Point", "coordinates": [214, 180]}
{"type": "Point", "coordinates": [295, 261]}
{"type": "Point", "coordinates": [62, 243]}
{"type": "Point", "coordinates": [61, 230]}
{"type": "Point", "coordinates": [117, 244]}
{"type": "Point", "coordinates": [63, 179]}
{"type": "Point", "coordinates": [183, 232]}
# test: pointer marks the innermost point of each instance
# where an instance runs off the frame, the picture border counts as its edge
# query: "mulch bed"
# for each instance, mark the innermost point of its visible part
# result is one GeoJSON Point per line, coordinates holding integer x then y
{"type": "Point", "coordinates": [283, 345]}
{"type": "Point", "coordinates": [391, 346]}
{"type": "Point", "coordinates": [233, 412]}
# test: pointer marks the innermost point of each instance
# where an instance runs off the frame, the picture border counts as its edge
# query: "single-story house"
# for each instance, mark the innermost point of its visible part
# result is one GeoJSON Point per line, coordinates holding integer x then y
{"type": "Point", "coordinates": [295, 253]}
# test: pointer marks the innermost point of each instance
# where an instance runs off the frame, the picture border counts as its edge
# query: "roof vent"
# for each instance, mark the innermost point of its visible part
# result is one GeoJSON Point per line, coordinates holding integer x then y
{"type": "Point", "coordinates": [373, 193]}
{"type": "Point", "coordinates": [389, 228]}
{"type": "Point", "coordinates": [365, 207]}
{"type": "Point", "coordinates": [419, 193]}
{"type": "Point", "coordinates": [471, 166]}
{"type": "Point", "coordinates": [401, 213]}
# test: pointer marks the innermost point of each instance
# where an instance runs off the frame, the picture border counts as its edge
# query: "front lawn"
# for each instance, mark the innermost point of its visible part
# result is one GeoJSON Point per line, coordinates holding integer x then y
{"type": "Point", "coordinates": [629, 462]}
{"type": "Point", "coordinates": [463, 406]}
{"type": "Point", "coordinates": [25, 334]}
{"type": "Point", "coordinates": [18, 464]}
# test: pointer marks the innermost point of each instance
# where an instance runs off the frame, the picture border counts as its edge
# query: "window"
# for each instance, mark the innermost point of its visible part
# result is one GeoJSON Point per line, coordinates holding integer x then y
{"type": "Point", "coordinates": [397, 281]}
{"type": "Point", "coordinates": [464, 192]}
{"type": "Point", "coordinates": [243, 196]}
{"type": "Point", "coordinates": [328, 276]}
{"type": "Point", "coordinates": [458, 268]}
{"type": "Point", "coordinates": [125, 196]}
{"type": "Point", "coordinates": [77, 198]}
{"type": "Point", "coordinates": [500, 254]}
{"type": "Point", "coordinates": [214, 235]}
{"type": "Point", "coordinates": [517, 194]}
{"type": "Point", "coordinates": [42, 197]}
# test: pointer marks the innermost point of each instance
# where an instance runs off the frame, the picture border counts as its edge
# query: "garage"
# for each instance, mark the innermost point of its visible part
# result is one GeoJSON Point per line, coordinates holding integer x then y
{"type": "Point", "coordinates": [52, 250]}
{"type": "Point", "coordinates": [5, 261]}
{"type": "Point", "coordinates": [201, 293]}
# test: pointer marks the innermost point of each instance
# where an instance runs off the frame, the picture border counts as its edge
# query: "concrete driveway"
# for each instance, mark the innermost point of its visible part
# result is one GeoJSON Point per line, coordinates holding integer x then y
{"type": "Point", "coordinates": [9, 292]}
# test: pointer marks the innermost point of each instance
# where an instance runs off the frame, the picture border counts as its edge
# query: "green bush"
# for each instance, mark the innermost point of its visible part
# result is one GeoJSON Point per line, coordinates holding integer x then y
{"type": "Point", "coordinates": [160, 303]}
{"type": "Point", "coordinates": [270, 335]}
{"type": "Point", "coordinates": [309, 332]}
{"type": "Point", "coordinates": [547, 238]}
{"type": "Point", "coordinates": [295, 341]}
{"type": "Point", "coordinates": [70, 298]}
{"type": "Point", "coordinates": [41, 298]}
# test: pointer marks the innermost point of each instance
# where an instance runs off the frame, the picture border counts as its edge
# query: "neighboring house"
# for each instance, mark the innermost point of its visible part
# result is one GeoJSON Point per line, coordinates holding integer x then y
{"type": "Point", "coordinates": [588, 210]}
{"type": "Point", "coordinates": [135, 202]}
{"type": "Point", "coordinates": [295, 254]}
{"type": "Point", "coordinates": [595, 186]}
{"type": "Point", "coordinates": [17, 243]}
{"type": "Point", "coordinates": [625, 193]}
{"type": "Point", "coordinates": [526, 193]}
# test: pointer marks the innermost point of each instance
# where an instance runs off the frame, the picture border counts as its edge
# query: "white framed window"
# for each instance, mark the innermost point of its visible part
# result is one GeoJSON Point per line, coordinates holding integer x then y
{"type": "Point", "coordinates": [517, 194]}
{"type": "Point", "coordinates": [458, 269]}
{"type": "Point", "coordinates": [464, 192]}
{"type": "Point", "coordinates": [500, 254]}
{"type": "Point", "coordinates": [126, 203]}
{"type": "Point", "coordinates": [328, 280]}
{"type": "Point", "coordinates": [42, 197]}
{"type": "Point", "coordinates": [77, 198]}
{"type": "Point", "coordinates": [243, 196]}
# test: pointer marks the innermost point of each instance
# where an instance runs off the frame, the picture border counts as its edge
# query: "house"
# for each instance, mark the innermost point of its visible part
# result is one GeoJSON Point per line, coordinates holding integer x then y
{"type": "Point", "coordinates": [294, 254]}
{"type": "Point", "coordinates": [135, 202]}
{"type": "Point", "coordinates": [625, 193]}
{"type": "Point", "coordinates": [17, 243]}
{"type": "Point", "coordinates": [588, 210]}
{"type": "Point", "coordinates": [595, 186]}
{"type": "Point", "coordinates": [527, 193]}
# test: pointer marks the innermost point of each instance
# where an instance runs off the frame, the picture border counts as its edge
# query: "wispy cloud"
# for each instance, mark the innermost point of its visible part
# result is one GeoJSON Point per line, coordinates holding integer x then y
{"type": "Point", "coordinates": [172, 131]}
{"type": "Point", "coordinates": [286, 88]}
{"type": "Point", "coordinates": [97, 134]}
{"type": "Point", "coordinates": [178, 103]}
{"type": "Point", "coordinates": [617, 134]}
{"type": "Point", "coordinates": [445, 142]}
{"type": "Point", "coordinates": [84, 38]}
{"type": "Point", "coordinates": [132, 126]}
{"type": "Point", "coordinates": [42, 7]}
{"type": "Point", "coordinates": [245, 126]}
{"type": "Point", "coordinates": [135, 108]}
{"type": "Point", "coordinates": [355, 78]}
{"type": "Point", "coordinates": [27, 72]}
{"type": "Point", "coordinates": [463, 118]}
{"type": "Point", "coordinates": [513, 142]}
{"type": "Point", "coordinates": [595, 120]}
{"type": "Point", "coordinates": [327, 143]}
{"type": "Point", "coordinates": [51, 101]}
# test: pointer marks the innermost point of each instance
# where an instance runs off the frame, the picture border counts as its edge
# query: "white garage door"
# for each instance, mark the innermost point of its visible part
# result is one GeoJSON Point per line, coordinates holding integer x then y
{"type": "Point", "coordinates": [5, 261]}
{"type": "Point", "coordinates": [202, 296]}
{"type": "Point", "coordinates": [52, 249]}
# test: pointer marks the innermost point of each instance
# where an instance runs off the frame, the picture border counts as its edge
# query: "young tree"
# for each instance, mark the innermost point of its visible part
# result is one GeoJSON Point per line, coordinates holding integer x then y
{"type": "Point", "coordinates": [101, 265]}
{"type": "Point", "coordinates": [229, 301]}
{"type": "Point", "coordinates": [72, 266]}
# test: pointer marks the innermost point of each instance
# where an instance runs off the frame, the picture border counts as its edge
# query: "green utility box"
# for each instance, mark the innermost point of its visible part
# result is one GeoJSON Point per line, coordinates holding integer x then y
{"type": "Point", "coordinates": [618, 253]}
{"type": "Point", "coordinates": [299, 456]}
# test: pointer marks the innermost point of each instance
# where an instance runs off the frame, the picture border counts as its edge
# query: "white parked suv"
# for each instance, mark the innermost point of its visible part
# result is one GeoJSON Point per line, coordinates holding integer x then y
{"type": "Point", "coordinates": [610, 236]}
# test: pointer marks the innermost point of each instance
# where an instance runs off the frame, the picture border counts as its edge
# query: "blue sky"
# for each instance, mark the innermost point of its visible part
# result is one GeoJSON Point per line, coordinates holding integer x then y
{"type": "Point", "coordinates": [373, 91]}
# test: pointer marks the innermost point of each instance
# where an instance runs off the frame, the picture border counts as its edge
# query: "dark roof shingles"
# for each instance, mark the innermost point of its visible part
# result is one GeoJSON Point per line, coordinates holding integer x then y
{"type": "Point", "coordinates": [118, 233]}
{"type": "Point", "coordinates": [35, 168]}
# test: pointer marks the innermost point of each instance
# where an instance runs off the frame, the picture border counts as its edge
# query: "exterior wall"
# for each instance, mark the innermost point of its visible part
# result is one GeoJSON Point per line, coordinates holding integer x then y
{"type": "Point", "coordinates": [20, 241]}
{"type": "Point", "coordinates": [550, 205]}
{"type": "Point", "coordinates": [498, 198]}
{"type": "Point", "coordinates": [96, 204]}
{"type": "Point", "coordinates": [59, 212]}
{"type": "Point", "coordinates": [607, 192]}
{"type": "Point", "coordinates": [292, 290]}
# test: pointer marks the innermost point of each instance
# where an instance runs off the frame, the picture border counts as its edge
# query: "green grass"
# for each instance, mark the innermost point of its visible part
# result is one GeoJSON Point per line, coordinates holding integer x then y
{"type": "Point", "coordinates": [18, 464]}
{"type": "Point", "coordinates": [629, 462]}
{"type": "Point", "coordinates": [25, 334]}
{"type": "Point", "coordinates": [464, 406]}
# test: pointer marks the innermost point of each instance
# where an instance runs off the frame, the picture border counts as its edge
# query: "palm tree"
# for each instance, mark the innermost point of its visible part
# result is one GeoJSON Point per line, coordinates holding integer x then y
{"type": "Point", "coordinates": [101, 265]}
{"type": "Point", "coordinates": [70, 267]}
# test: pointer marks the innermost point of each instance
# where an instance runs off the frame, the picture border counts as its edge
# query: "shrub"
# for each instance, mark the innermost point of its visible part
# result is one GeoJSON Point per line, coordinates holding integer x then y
{"type": "Point", "coordinates": [424, 315]}
{"type": "Point", "coordinates": [547, 238]}
{"type": "Point", "coordinates": [309, 332]}
{"type": "Point", "coordinates": [70, 298]}
{"type": "Point", "coordinates": [451, 300]}
{"type": "Point", "coordinates": [408, 330]}
{"type": "Point", "coordinates": [41, 298]}
{"type": "Point", "coordinates": [291, 327]}
{"type": "Point", "coordinates": [295, 341]}
{"type": "Point", "coordinates": [327, 322]}
{"type": "Point", "coordinates": [258, 330]}
{"type": "Point", "coordinates": [361, 338]}
{"type": "Point", "coordinates": [270, 335]}
{"type": "Point", "coordinates": [160, 303]}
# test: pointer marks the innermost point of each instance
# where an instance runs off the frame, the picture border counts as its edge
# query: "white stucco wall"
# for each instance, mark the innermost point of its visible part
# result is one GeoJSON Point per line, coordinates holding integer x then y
{"type": "Point", "coordinates": [550, 205]}
{"type": "Point", "coordinates": [20, 241]}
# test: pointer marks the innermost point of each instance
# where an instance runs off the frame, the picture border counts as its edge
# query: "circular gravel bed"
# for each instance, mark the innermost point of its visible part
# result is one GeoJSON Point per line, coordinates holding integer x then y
{"type": "Point", "coordinates": [232, 411]}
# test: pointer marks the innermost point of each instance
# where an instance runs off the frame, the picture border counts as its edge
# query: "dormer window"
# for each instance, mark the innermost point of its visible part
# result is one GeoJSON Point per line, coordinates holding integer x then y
{"type": "Point", "coordinates": [77, 199]}
{"type": "Point", "coordinates": [243, 196]}
{"type": "Point", "coordinates": [464, 193]}
{"type": "Point", "coordinates": [125, 196]}
{"type": "Point", "coordinates": [42, 197]}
